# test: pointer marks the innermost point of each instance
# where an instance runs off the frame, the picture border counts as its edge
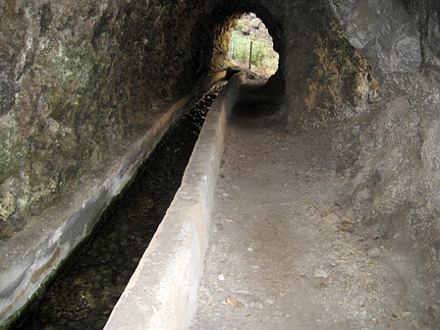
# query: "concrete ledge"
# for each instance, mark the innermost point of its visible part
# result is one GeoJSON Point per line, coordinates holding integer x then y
{"type": "Point", "coordinates": [162, 292]}
{"type": "Point", "coordinates": [29, 258]}
{"type": "Point", "coordinates": [32, 256]}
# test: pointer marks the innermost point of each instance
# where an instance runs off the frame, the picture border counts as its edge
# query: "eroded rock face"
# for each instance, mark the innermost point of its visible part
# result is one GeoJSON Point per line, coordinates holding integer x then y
{"type": "Point", "coordinates": [407, 67]}
{"type": "Point", "coordinates": [79, 80]}
{"type": "Point", "coordinates": [370, 69]}
{"type": "Point", "coordinates": [386, 32]}
{"type": "Point", "coordinates": [341, 81]}
{"type": "Point", "coordinates": [395, 165]}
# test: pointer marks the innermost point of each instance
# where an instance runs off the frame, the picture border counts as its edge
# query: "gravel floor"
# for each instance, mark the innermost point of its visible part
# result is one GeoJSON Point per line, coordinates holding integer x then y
{"type": "Point", "coordinates": [286, 252]}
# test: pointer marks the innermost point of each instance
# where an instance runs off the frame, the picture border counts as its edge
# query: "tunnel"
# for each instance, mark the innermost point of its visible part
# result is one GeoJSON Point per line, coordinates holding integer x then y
{"type": "Point", "coordinates": [209, 47]}
{"type": "Point", "coordinates": [197, 194]}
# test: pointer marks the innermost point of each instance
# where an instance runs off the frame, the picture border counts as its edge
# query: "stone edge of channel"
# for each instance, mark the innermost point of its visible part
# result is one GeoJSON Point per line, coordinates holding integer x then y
{"type": "Point", "coordinates": [34, 258]}
{"type": "Point", "coordinates": [163, 290]}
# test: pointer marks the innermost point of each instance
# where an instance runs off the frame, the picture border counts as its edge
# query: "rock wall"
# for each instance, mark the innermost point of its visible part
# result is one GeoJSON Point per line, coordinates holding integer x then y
{"type": "Point", "coordinates": [369, 72]}
{"type": "Point", "coordinates": [78, 81]}
{"type": "Point", "coordinates": [396, 165]}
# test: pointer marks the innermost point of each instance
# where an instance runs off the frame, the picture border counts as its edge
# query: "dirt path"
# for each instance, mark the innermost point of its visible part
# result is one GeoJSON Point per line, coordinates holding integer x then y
{"type": "Point", "coordinates": [284, 251]}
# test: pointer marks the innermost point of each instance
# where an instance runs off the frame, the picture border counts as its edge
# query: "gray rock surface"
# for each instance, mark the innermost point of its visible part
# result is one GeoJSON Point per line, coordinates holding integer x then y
{"type": "Point", "coordinates": [81, 80]}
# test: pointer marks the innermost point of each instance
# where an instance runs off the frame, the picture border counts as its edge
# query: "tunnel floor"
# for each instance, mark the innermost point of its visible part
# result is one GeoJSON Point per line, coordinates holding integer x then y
{"type": "Point", "coordinates": [285, 252]}
{"type": "Point", "coordinates": [84, 293]}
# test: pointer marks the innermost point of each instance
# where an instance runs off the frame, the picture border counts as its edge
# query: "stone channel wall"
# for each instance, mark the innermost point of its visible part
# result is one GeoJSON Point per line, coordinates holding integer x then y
{"type": "Point", "coordinates": [163, 290]}
{"type": "Point", "coordinates": [33, 256]}
{"type": "Point", "coordinates": [81, 80]}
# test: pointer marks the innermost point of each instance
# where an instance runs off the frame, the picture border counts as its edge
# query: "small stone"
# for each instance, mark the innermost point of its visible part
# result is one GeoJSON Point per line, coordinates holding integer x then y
{"type": "Point", "coordinates": [363, 195]}
{"type": "Point", "coordinates": [374, 252]}
{"type": "Point", "coordinates": [332, 218]}
{"type": "Point", "coordinates": [320, 273]}
{"type": "Point", "coordinates": [232, 301]}
{"type": "Point", "coordinates": [350, 214]}
{"type": "Point", "coordinates": [221, 277]}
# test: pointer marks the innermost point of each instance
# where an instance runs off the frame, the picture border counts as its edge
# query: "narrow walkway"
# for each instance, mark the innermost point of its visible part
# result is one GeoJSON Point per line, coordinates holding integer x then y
{"type": "Point", "coordinates": [283, 250]}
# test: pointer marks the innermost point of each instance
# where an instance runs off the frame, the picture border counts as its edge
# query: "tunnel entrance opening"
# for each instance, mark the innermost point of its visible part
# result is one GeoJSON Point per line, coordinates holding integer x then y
{"type": "Point", "coordinates": [250, 46]}
{"type": "Point", "coordinates": [216, 42]}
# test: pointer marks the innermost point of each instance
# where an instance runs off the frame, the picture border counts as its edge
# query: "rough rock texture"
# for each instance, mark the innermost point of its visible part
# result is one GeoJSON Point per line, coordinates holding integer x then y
{"type": "Point", "coordinates": [78, 80]}
{"type": "Point", "coordinates": [340, 82]}
{"type": "Point", "coordinates": [370, 69]}
{"type": "Point", "coordinates": [285, 253]}
{"type": "Point", "coordinates": [222, 39]}
{"type": "Point", "coordinates": [396, 163]}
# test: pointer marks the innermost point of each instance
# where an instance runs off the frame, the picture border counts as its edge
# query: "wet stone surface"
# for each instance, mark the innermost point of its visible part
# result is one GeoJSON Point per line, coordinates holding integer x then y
{"type": "Point", "coordinates": [89, 285]}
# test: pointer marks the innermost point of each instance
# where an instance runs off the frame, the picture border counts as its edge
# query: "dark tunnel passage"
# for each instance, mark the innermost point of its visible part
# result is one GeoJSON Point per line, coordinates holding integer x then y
{"type": "Point", "coordinates": [208, 47]}
{"type": "Point", "coordinates": [96, 279]}
{"type": "Point", "coordinates": [346, 133]}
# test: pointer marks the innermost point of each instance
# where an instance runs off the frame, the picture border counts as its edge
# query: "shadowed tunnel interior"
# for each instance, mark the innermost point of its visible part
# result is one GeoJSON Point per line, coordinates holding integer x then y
{"type": "Point", "coordinates": [88, 87]}
{"type": "Point", "coordinates": [208, 47]}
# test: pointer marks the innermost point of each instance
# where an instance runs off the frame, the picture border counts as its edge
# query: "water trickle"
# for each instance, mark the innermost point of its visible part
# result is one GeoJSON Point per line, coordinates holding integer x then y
{"type": "Point", "coordinates": [87, 288]}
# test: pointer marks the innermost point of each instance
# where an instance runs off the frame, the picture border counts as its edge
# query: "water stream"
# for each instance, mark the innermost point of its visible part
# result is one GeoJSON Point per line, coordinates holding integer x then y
{"type": "Point", "coordinates": [87, 288]}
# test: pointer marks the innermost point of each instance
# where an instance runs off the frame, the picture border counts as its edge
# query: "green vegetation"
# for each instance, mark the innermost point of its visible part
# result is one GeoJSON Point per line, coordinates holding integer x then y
{"type": "Point", "coordinates": [264, 58]}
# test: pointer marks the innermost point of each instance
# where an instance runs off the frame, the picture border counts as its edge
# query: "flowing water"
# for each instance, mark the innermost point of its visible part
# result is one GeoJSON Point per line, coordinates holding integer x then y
{"type": "Point", "coordinates": [87, 288]}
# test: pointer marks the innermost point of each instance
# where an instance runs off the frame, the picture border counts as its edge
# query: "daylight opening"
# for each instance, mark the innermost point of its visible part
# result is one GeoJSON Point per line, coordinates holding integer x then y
{"type": "Point", "coordinates": [251, 46]}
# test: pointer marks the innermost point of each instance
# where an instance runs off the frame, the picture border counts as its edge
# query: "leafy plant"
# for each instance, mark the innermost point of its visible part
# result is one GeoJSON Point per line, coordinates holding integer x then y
{"type": "Point", "coordinates": [264, 58]}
